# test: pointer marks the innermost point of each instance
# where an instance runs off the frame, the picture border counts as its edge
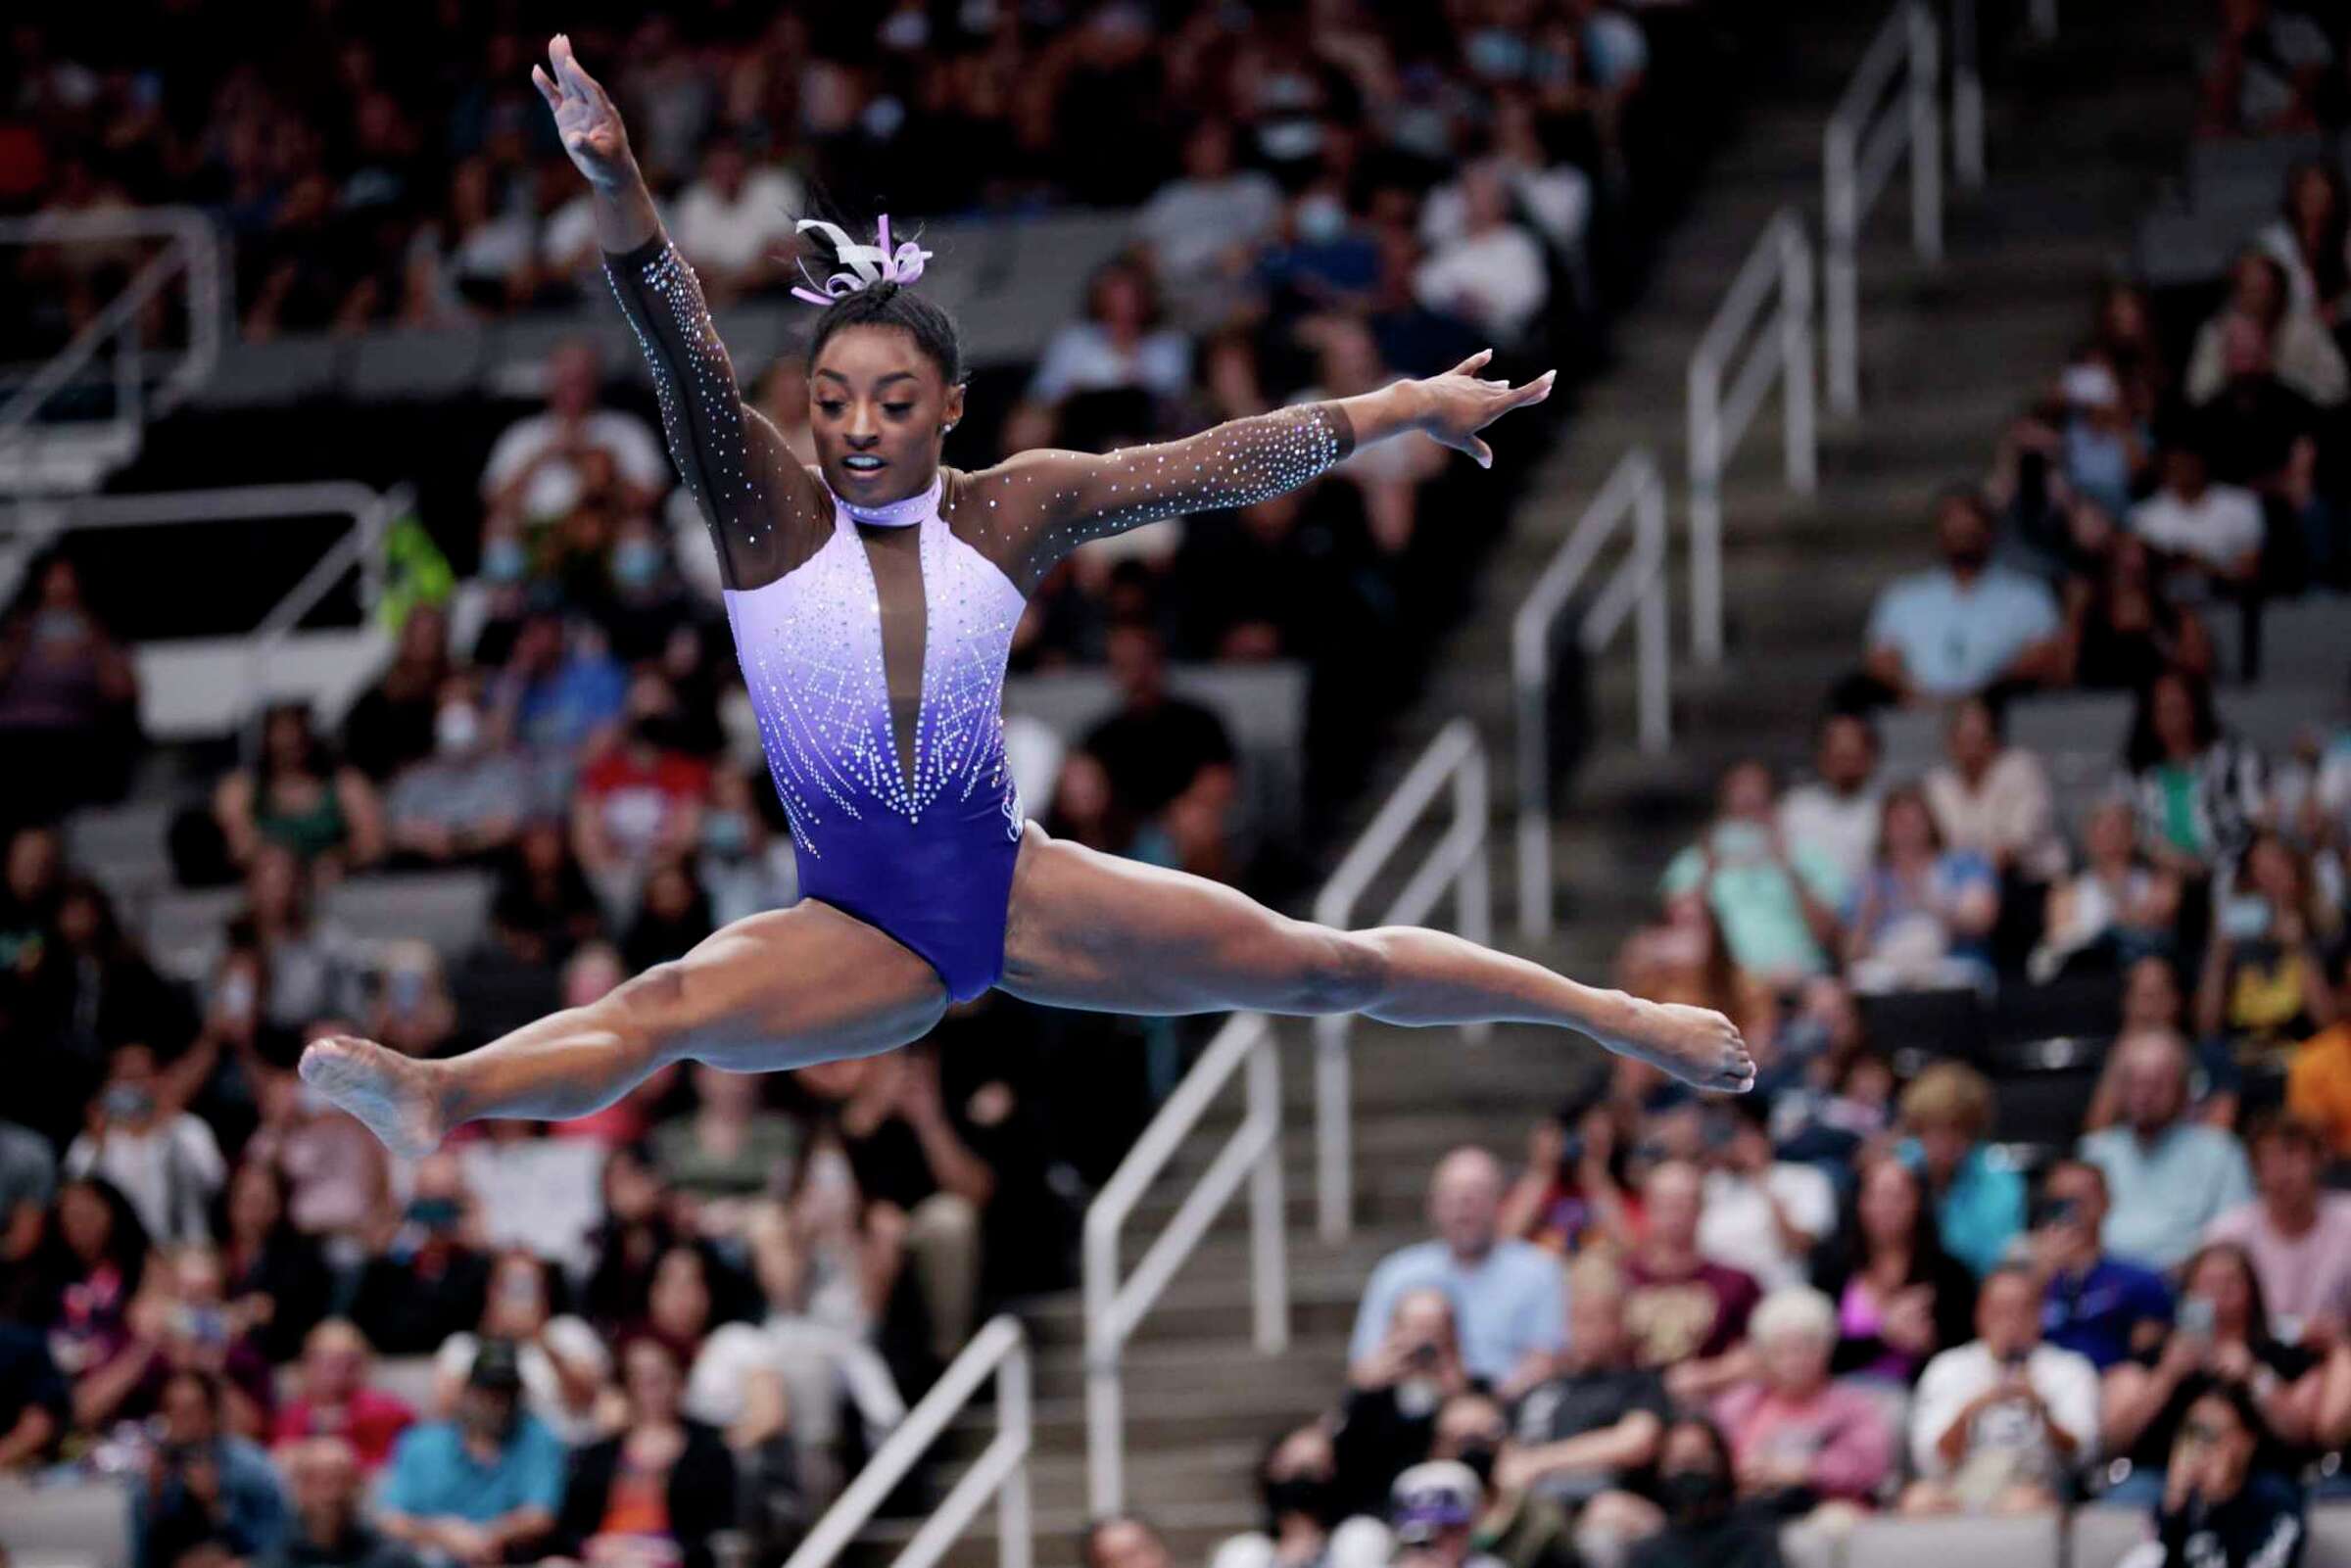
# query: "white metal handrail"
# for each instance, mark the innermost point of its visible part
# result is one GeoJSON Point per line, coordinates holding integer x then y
{"type": "Point", "coordinates": [191, 248]}
{"type": "Point", "coordinates": [1967, 97]}
{"type": "Point", "coordinates": [1860, 150]}
{"type": "Point", "coordinates": [1781, 265]}
{"type": "Point", "coordinates": [1114, 1310]}
{"type": "Point", "coordinates": [999, 1350]}
{"type": "Point", "coordinates": [1635, 491]}
{"type": "Point", "coordinates": [1455, 862]}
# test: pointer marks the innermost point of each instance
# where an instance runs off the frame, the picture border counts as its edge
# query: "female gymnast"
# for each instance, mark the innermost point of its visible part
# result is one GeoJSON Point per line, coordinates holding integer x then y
{"type": "Point", "coordinates": [872, 601]}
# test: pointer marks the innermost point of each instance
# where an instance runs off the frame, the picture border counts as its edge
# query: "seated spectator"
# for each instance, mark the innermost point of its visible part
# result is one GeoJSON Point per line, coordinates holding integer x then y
{"type": "Point", "coordinates": [474, 258]}
{"type": "Point", "coordinates": [1834, 814]}
{"type": "Point", "coordinates": [276, 1279]}
{"type": "Point", "coordinates": [2311, 238]}
{"type": "Point", "coordinates": [1777, 902]}
{"type": "Point", "coordinates": [2264, 967]}
{"type": "Point", "coordinates": [331, 1398]}
{"type": "Point", "coordinates": [1305, 1525]}
{"type": "Point", "coordinates": [467, 800]}
{"type": "Point", "coordinates": [1977, 1196]}
{"type": "Point", "coordinates": [296, 795]}
{"type": "Point", "coordinates": [732, 1147]}
{"type": "Point", "coordinates": [330, 1527]}
{"type": "Point", "coordinates": [68, 694]}
{"type": "Point", "coordinates": [427, 1277]}
{"type": "Point", "coordinates": [161, 1158]}
{"type": "Point", "coordinates": [543, 1189]}
{"type": "Point", "coordinates": [2287, 335]}
{"type": "Point", "coordinates": [88, 1270]}
{"type": "Point", "coordinates": [561, 689]}
{"type": "Point", "coordinates": [1967, 627]}
{"type": "Point", "coordinates": [303, 966]}
{"type": "Point", "coordinates": [336, 1174]}
{"type": "Point", "coordinates": [638, 802]}
{"type": "Point", "coordinates": [1686, 1315]}
{"type": "Point", "coordinates": [564, 1368]}
{"type": "Point", "coordinates": [90, 986]}
{"type": "Point", "coordinates": [2261, 433]}
{"type": "Point", "coordinates": [533, 472]}
{"type": "Point", "coordinates": [1685, 957]}
{"type": "Point", "coordinates": [2317, 1080]}
{"type": "Point", "coordinates": [2122, 630]}
{"type": "Point", "coordinates": [2115, 911]}
{"type": "Point", "coordinates": [2170, 1178]}
{"type": "Point", "coordinates": [1762, 1216]}
{"type": "Point", "coordinates": [2215, 1506]}
{"type": "Point", "coordinates": [203, 1487]}
{"type": "Point", "coordinates": [1119, 345]}
{"type": "Point", "coordinates": [663, 1484]}
{"type": "Point", "coordinates": [2221, 1339]}
{"type": "Point", "coordinates": [735, 223]}
{"type": "Point", "coordinates": [1488, 272]}
{"type": "Point", "coordinates": [480, 1488]}
{"type": "Point", "coordinates": [412, 1012]}
{"type": "Point", "coordinates": [1433, 1509]}
{"type": "Point", "coordinates": [543, 907]}
{"type": "Point", "coordinates": [1992, 800]}
{"type": "Point", "coordinates": [2297, 1234]}
{"type": "Point", "coordinates": [673, 916]}
{"type": "Point", "coordinates": [1508, 1294]}
{"type": "Point", "coordinates": [1701, 1522]}
{"type": "Point", "coordinates": [1899, 1297]}
{"type": "Point", "coordinates": [1200, 228]}
{"type": "Point", "coordinates": [1170, 761]}
{"type": "Point", "coordinates": [2200, 794]}
{"type": "Point", "coordinates": [1388, 1417]}
{"type": "Point", "coordinates": [1555, 196]}
{"type": "Point", "coordinates": [1592, 1427]}
{"type": "Point", "coordinates": [391, 722]}
{"type": "Point", "coordinates": [1122, 1540]}
{"type": "Point", "coordinates": [2004, 1423]}
{"type": "Point", "coordinates": [2208, 528]}
{"type": "Point", "coordinates": [1515, 1527]}
{"type": "Point", "coordinates": [744, 864]}
{"type": "Point", "coordinates": [1797, 1440]}
{"type": "Point", "coordinates": [37, 1407]}
{"type": "Point", "coordinates": [2266, 74]}
{"type": "Point", "coordinates": [1388, 476]}
{"type": "Point", "coordinates": [1923, 918]}
{"type": "Point", "coordinates": [2092, 1303]}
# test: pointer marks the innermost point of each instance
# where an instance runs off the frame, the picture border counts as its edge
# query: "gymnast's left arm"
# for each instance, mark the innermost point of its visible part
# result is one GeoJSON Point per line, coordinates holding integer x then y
{"type": "Point", "coordinates": [1037, 506]}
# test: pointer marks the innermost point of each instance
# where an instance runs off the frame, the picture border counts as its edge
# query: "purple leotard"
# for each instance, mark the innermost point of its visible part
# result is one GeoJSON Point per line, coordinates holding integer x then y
{"type": "Point", "coordinates": [874, 640]}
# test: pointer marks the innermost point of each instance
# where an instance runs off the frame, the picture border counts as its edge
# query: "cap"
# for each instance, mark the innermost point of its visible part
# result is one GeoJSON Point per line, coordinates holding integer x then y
{"type": "Point", "coordinates": [496, 1367]}
{"type": "Point", "coordinates": [1431, 1499]}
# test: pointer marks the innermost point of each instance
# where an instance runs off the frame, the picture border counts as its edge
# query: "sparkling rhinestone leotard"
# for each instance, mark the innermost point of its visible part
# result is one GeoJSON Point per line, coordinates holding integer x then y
{"type": "Point", "coordinates": [874, 640]}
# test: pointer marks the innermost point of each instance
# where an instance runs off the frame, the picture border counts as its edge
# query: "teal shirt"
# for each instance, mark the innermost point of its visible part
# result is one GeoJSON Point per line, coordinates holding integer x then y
{"type": "Point", "coordinates": [1762, 918]}
{"type": "Point", "coordinates": [1984, 1209]}
{"type": "Point", "coordinates": [2163, 1196]}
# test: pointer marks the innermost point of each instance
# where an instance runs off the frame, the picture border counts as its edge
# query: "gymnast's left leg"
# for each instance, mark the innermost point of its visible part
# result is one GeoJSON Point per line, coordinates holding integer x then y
{"type": "Point", "coordinates": [1090, 930]}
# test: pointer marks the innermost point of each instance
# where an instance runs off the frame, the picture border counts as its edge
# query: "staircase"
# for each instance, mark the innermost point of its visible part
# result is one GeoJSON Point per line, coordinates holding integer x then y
{"type": "Point", "coordinates": [1948, 355]}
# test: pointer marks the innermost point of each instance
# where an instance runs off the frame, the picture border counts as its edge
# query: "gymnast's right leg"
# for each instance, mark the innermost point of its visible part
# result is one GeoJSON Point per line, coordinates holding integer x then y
{"type": "Point", "coordinates": [778, 989]}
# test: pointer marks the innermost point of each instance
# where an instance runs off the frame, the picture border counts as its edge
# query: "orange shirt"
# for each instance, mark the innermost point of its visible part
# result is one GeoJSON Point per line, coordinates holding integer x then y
{"type": "Point", "coordinates": [2318, 1086]}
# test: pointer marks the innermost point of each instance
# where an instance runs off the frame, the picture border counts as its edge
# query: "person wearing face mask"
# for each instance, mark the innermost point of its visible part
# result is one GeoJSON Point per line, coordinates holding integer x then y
{"type": "Point", "coordinates": [644, 601]}
{"type": "Point", "coordinates": [1306, 1521]}
{"type": "Point", "coordinates": [642, 800]}
{"type": "Point", "coordinates": [68, 694]}
{"type": "Point", "coordinates": [483, 1487]}
{"type": "Point", "coordinates": [533, 467]}
{"type": "Point", "coordinates": [1704, 1524]}
{"type": "Point", "coordinates": [426, 1279]}
{"type": "Point", "coordinates": [164, 1161]}
{"type": "Point", "coordinates": [742, 866]}
{"type": "Point", "coordinates": [1491, 272]}
{"type": "Point", "coordinates": [464, 803]}
{"type": "Point", "coordinates": [2218, 1512]}
{"type": "Point", "coordinates": [1965, 626]}
{"type": "Point", "coordinates": [1518, 1527]}
{"type": "Point", "coordinates": [1388, 1418]}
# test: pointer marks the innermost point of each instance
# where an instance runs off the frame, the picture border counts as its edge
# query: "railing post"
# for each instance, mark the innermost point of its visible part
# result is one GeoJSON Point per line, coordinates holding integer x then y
{"type": "Point", "coordinates": [1268, 1226]}
{"type": "Point", "coordinates": [1534, 808]}
{"type": "Point", "coordinates": [2044, 20]}
{"type": "Point", "coordinates": [1654, 660]}
{"type": "Point", "coordinates": [1016, 1533]}
{"type": "Point", "coordinates": [1334, 1130]}
{"type": "Point", "coordinates": [1841, 222]}
{"type": "Point", "coordinates": [1705, 511]}
{"type": "Point", "coordinates": [1105, 1402]}
{"type": "Point", "coordinates": [1473, 889]}
{"type": "Point", "coordinates": [1967, 98]}
{"type": "Point", "coordinates": [1925, 133]}
{"type": "Point", "coordinates": [1796, 420]}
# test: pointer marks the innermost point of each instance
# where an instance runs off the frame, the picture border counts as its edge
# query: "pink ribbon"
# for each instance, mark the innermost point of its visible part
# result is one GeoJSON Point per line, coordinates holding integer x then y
{"type": "Point", "coordinates": [866, 265]}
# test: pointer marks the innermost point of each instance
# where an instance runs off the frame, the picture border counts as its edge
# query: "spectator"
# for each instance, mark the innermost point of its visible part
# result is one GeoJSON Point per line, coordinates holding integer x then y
{"type": "Point", "coordinates": [2092, 1303]}
{"type": "Point", "coordinates": [2117, 910]}
{"type": "Point", "coordinates": [472, 260]}
{"type": "Point", "coordinates": [564, 1368]}
{"type": "Point", "coordinates": [1592, 1427]}
{"type": "Point", "coordinates": [1835, 815]}
{"type": "Point", "coordinates": [1170, 761]}
{"type": "Point", "coordinates": [1555, 197]}
{"type": "Point", "coordinates": [661, 1482]}
{"type": "Point", "coordinates": [1685, 1315]}
{"type": "Point", "coordinates": [1702, 1524]}
{"type": "Point", "coordinates": [642, 800]}
{"type": "Point", "coordinates": [1489, 272]}
{"type": "Point", "coordinates": [2311, 238]}
{"type": "Point", "coordinates": [1119, 345]}
{"type": "Point", "coordinates": [300, 799]}
{"type": "Point", "coordinates": [89, 1268]}
{"type": "Point", "coordinates": [1515, 1527]}
{"type": "Point", "coordinates": [533, 471]}
{"type": "Point", "coordinates": [68, 694]}
{"type": "Point", "coordinates": [1201, 228]}
{"type": "Point", "coordinates": [1305, 1520]}
{"type": "Point", "coordinates": [2209, 528]}
{"type": "Point", "coordinates": [274, 1274]}
{"type": "Point", "coordinates": [2221, 1339]}
{"type": "Point", "coordinates": [2285, 334]}
{"type": "Point", "coordinates": [2199, 792]}
{"type": "Point", "coordinates": [1509, 1294]}
{"type": "Point", "coordinates": [1777, 902]}
{"type": "Point", "coordinates": [1434, 1509]}
{"type": "Point", "coordinates": [743, 865]}
{"type": "Point", "coordinates": [164, 1161]}
{"type": "Point", "coordinates": [2317, 1080]}
{"type": "Point", "coordinates": [2297, 1235]}
{"type": "Point", "coordinates": [2261, 433]}
{"type": "Point", "coordinates": [1978, 1195]}
{"type": "Point", "coordinates": [392, 723]}
{"type": "Point", "coordinates": [543, 907]}
{"type": "Point", "coordinates": [2173, 1177]}
{"type": "Point", "coordinates": [2002, 1424]}
{"type": "Point", "coordinates": [1968, 626]}
{"type": "Point", "coordinates": [673, 916]}
{"type": "Point", "coordinates": [203, 1487]}
{"type": "Point", "coordinates": [1923, 918]}
{"type": "Point", "coordinates": [1762, 1216]}
{"type": "Point", "coordinates": [2265, 967]}
{"type": "Point", "coordinates": [2121, 630]}
{"type": "Point", "coordinates": [731, 1147]}
{"type": "Point", "coordinates": [2265, 74]}
{"type": "Point", "coordinates": [1122, 1540]}
{"type": "Point", "coordinates": [308, 966]}
{"type": "Point", "coordinates": [1388, 1418]}
{"type": "Point", "coordinates": [2215, 1507]}
{"type": "Point", "coordinates": [427, 1278]}
{"type": "Point", "coordinates": [330, 1529]}
{"type": "Point", "coordinates": [483, 1487]}
{"type": "Point", "coordinates": [466, 801]}
{"type": "Point", "coordinates": [332, 1399]}
{"type": "Point", "coordinates": [37, 1407]}
{"type": "Point", "coordinates": [336, 1174]}
{"type": "Point", "coordinates": [1992, 800]}
{"type": "Point", "coordinates": [1797, 1440]}
{"type": "Point", "coordinates": [1899, 1297]}
{"type": "Point", "coordinates": [735, 223]}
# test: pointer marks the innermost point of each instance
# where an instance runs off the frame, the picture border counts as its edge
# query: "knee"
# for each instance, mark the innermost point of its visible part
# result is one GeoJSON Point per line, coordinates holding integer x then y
{"type": "Point", "coordinates": [1337, 972]}
{"type": "Point", "coordinates": [650, 1011]}
{"type": "Point", "coordinates": [942, 1219]}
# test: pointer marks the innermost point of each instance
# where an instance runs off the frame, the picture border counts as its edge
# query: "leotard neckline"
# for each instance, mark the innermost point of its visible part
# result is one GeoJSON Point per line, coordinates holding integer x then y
{"type": "Point", "coordinates": [897, 513]}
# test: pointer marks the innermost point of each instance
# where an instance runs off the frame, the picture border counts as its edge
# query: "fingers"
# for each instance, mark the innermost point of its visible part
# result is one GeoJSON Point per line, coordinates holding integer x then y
{"type": "Point", "coordinates": [1474, 363]}
{"type": "Point", "coordinates": [547, 88]}
{"type": "Point", "coordinates": [575, 75]}
{"type": "Point", "coordinates": [1534, 391]}
{"type": "Point", "coordinates": [1482, 451]}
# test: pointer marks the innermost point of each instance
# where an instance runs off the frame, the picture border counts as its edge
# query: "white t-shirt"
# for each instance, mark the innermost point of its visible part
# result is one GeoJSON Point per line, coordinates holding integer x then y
{"type": "Point", "coordinates": [1842, 828]}
{"type": "Point", "coordinates": [543, 1194]}
{"type": "Point", "coordinates": [1559, 198]}
{"type": "Point", "coordinates": [731, 235]}
{"type": "Point", "coordinates": [1735, 1227]}
{"type": "Point", "coordinates": [1082, 358]}
{"type": "Point", "coordinates": [169, 1173]}
{"type": "Point", "coordinates": [2218, 528]}
{"type": "Point", "coordinates": [542, 1389]}
{"type": "Point", "coordinates": [818, 1363]}
{"type": "Point", "coordinates": [1495, 280]}
{"type": "Point", "coordinates": [1190, 222]}
{"type": "Point", "coordinates": [555, 488]}
{"type": "Point", "coordinates": [2068, 1385]}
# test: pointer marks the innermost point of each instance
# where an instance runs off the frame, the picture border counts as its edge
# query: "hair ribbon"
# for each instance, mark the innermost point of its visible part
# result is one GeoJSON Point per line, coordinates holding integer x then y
{"type": "Point", "coordinates": [866, 265]}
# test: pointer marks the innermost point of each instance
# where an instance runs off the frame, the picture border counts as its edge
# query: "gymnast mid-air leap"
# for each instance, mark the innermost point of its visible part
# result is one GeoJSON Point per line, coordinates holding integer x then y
{"type": "Point", "coordinates": [873, 601]}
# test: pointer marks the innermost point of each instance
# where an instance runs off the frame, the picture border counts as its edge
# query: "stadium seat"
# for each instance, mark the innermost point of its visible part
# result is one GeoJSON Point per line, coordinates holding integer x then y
{"type": "Point", "coordinates": [2330, 1536]}
{"type": "Point", "coordinates": [416, 365]}
{"type": "Point", "coordinates": [1934, 1023]}
{"type": "Point", "coordinates": [2100, 1536]}
{"type": "Point", "coordinates": [81, 1523]}
{"type": "Point", "coordinates": [288, 370]}
{"type": "Point", "coordinates": [2030, 1540]}
{"type": "Point", "coordinates": [2240, 171]}
{"type": "Point", "coordinates": [449, 909]}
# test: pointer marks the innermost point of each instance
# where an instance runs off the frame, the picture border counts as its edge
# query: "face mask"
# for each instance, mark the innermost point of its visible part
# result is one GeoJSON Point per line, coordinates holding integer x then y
{"type": "Point", "coordinates": [1312, 1495]}
{"type": "Point", "coordinates": [434, 1213]}
{"type": "Point", "coordinates": [503, 561]}
{"type": "Point", "coordinates": [57, 626]}
{"type": "Point", "coordinates": [1496, 52]}
{"type": "Point", "coordinates": [1321, 219]}
{"type": "Point", "coordinates": [1690, 1494]}
{"type": "Point", "coordinates": [636, 562]}
{"type": "Point", "coordinates": [725, 832]}
{"type": "Point", "coordinates": [129, 1103]}
{"type": "Point", "coordinates": [908, 30]}
{"type": "Point", "coordinates": [1479, 1457]}
{"type": "Point", "coordinates": [456, 727]}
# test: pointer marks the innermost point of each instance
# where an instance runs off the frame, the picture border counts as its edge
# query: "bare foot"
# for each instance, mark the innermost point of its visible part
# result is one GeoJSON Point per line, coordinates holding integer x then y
{"type": "Point", "coordinates": [395, 1096]}
{"type": "Point", "coordinates": [1694, 1044]}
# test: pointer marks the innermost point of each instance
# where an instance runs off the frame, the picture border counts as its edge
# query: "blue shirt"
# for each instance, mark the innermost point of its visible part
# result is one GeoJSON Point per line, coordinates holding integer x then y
{"type": "Point", "coordinates": [1512, 1301]}
{"type": "Point", "coordinates": [2163, 1196]}
{"type": "Point", "coordinates": [254, 1518]}
{"type": "Point", "coordinates": [1981, 1210]}
{"type": "Point", "coordinates": [1957, 640]}
{"type": "Point", "coordinates": [434, 1477]}
{"type": "Point", "coordinates": [2093, 1313]}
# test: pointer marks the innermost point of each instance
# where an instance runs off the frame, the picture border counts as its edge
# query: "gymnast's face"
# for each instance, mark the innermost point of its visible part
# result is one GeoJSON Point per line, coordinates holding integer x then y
{"type": "Point", "coordinates": [879, 407]}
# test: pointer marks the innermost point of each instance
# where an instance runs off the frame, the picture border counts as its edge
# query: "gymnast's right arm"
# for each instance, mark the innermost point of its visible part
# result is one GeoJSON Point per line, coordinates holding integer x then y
{"type": "Point", "coordinates": [761, 506]}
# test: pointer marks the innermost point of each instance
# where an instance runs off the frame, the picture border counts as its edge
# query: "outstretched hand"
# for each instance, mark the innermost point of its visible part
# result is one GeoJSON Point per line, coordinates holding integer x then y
{"type": "Point", "coordinates": [585, 117]}
{"type": "Point", "coordinates": [1460, 403]}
